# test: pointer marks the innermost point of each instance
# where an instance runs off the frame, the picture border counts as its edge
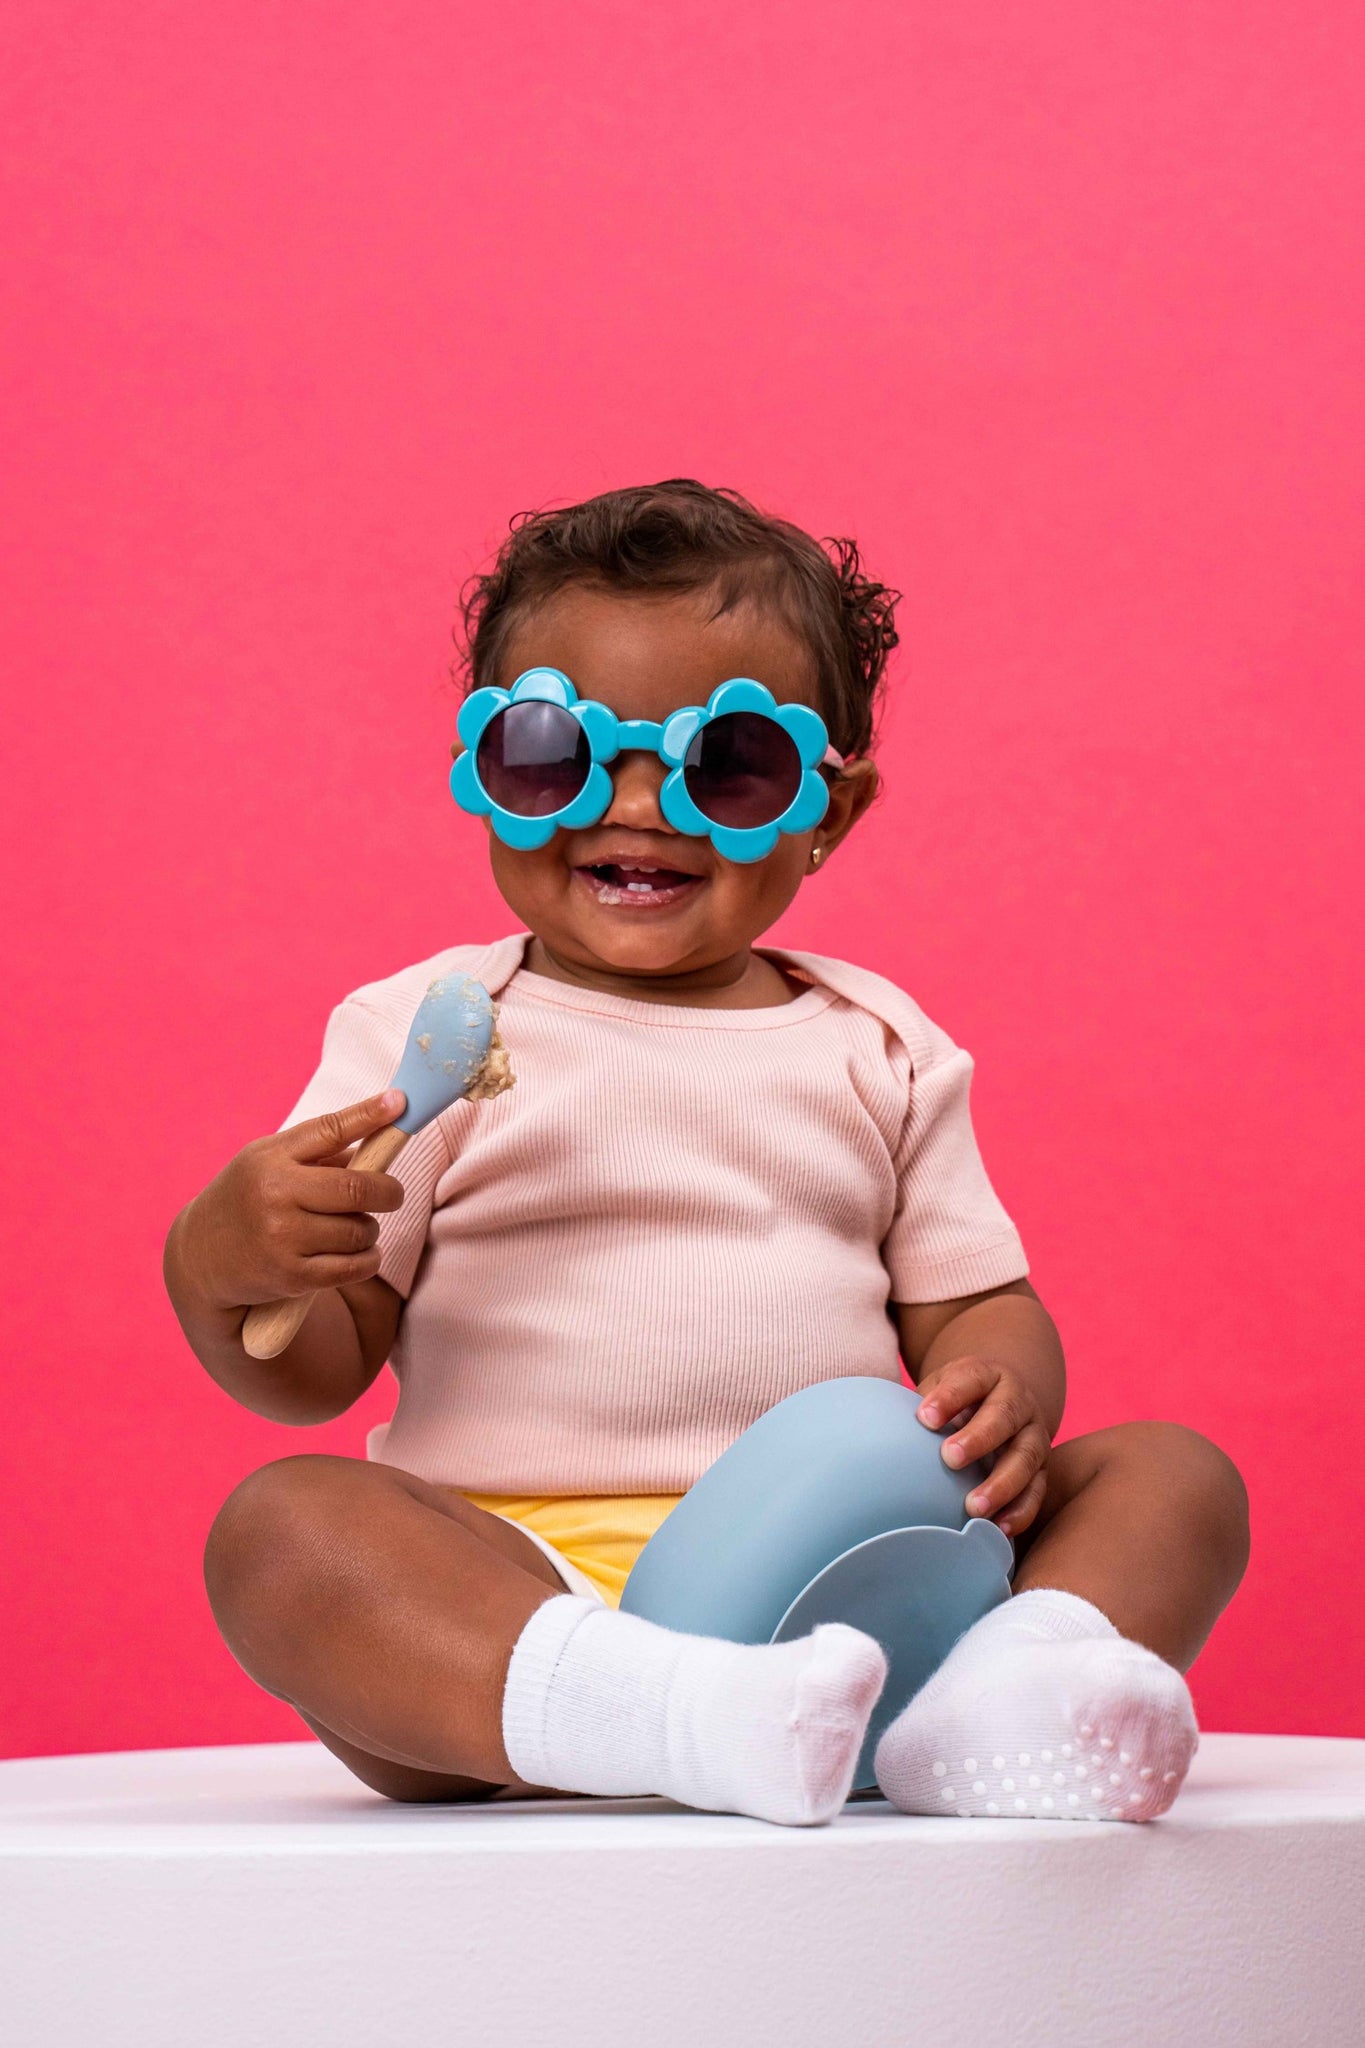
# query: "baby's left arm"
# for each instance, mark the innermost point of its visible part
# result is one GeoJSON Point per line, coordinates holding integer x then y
{"type": "Point", "coordinates": [997, 1355]}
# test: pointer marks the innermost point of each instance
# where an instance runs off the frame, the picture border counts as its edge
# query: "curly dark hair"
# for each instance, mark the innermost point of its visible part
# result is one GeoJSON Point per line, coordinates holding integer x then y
{"type": "Point", "coordinates": [682, 535]}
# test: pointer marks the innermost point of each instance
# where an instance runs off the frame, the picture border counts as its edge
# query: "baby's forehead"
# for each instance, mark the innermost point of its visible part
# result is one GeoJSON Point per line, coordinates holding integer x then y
{"type": "Point", "coordinates": [646, 653]}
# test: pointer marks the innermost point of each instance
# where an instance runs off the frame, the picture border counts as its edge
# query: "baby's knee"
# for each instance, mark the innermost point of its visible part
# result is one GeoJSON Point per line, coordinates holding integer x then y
{"type": "Point", "coordinates": [265, 1529]}
{"type": "Point", "coordinates": [1195, 1471]}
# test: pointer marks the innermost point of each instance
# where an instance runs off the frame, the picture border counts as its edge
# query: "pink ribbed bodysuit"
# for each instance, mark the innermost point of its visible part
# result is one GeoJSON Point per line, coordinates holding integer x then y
{"type": "Point", "coordinates": [676, 1218]}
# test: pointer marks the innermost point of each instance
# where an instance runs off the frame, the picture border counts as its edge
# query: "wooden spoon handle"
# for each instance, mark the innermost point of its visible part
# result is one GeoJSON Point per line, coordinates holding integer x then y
{"type": "Point", "coordinates": [273, 1325]}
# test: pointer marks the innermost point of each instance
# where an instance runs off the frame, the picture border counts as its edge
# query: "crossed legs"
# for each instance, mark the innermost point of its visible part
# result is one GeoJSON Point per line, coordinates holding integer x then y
{"type": "Point", "coordinates": [386, 1609]}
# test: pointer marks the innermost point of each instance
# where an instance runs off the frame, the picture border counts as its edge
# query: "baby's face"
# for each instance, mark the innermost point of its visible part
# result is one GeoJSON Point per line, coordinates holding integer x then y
{"type": "Point", "coordinates": [630, 898]}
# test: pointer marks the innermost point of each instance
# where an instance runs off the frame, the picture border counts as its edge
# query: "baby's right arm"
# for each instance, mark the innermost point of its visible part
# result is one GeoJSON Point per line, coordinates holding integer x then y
{"type": "Point", "coordinates": [287, 1216]}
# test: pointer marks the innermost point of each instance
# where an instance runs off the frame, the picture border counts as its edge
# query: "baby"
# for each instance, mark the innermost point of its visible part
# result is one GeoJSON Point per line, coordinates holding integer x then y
{"type": "Point", "coordinates": [724, 1174]}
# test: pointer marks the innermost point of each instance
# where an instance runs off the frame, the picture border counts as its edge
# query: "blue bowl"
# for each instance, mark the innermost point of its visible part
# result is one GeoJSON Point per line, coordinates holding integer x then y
{"type": "Point", "coordinates": [834, 1506]}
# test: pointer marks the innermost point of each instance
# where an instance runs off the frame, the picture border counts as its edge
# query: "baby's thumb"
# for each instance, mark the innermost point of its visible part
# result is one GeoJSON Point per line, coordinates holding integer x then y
{"type": "Point", "coordinates": [322, 1136]}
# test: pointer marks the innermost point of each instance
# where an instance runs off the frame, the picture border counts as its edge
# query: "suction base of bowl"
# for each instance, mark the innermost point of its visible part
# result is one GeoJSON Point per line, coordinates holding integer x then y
{"type": "Point", "coordinates": [915, 1591]}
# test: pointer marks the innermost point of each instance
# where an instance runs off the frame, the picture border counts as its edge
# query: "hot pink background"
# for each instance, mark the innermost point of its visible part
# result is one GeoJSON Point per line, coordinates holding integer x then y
{"type": "Point", "coordinates": [1056, 308]}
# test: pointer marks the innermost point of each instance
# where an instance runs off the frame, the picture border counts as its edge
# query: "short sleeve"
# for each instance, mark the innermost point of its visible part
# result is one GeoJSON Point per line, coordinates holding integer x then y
{"type": "Point", "coordinates": [950, 1236]}
{"type": "Point", "coordinates": [360, 1051]}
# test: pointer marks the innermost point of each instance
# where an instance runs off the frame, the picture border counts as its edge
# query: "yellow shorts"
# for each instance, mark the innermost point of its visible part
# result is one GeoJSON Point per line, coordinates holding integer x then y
{"type": "Point", "coordinates": [598, 1536]}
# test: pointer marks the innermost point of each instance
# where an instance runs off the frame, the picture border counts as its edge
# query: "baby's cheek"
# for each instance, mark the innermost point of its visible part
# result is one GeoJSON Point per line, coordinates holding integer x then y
{"type": "Point", "coordinates": [755, 896]}
{"type": "Point", "coordinates": [526, 880]}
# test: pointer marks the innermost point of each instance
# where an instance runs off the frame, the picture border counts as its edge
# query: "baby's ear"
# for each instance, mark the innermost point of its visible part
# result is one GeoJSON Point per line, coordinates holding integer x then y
{"type": "Point", "coordinates": [852, 790]}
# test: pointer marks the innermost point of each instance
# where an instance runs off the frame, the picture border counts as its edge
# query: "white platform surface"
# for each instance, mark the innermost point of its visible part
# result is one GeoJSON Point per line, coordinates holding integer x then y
{"type": "Point", "coordinates": [257, 1896]}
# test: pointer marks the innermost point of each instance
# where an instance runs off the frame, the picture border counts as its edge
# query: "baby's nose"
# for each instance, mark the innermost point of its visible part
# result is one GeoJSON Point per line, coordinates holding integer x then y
{"type": "Point", "coordinates": [636, 779]}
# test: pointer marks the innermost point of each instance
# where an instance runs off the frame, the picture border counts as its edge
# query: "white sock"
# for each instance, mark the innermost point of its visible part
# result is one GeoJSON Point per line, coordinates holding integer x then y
{"type": "Point", "coordinates": [603, 1702]}
{"type": "Point", "coordinates": [1042, 1711]}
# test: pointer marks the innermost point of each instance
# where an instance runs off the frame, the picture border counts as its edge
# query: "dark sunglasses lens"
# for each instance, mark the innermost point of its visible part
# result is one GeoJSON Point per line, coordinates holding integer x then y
{"type": "Point", "coordinates": [742, 770]}
{"type": "Point", "coordinates": [533, 759]}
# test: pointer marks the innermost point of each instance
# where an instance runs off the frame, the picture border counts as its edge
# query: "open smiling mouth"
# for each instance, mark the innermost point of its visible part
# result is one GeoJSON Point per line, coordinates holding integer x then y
{"type": "Point", "coordinates": [637, 887]}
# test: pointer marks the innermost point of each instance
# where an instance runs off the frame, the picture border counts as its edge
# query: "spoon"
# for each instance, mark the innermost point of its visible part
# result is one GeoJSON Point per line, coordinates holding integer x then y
{"type": "Point", "coordinates": [453, 1053]}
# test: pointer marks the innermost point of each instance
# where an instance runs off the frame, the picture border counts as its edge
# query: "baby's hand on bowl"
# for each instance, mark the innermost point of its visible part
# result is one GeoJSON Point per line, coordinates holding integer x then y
{"type": "Point", "coordinates": [1005, 1425]}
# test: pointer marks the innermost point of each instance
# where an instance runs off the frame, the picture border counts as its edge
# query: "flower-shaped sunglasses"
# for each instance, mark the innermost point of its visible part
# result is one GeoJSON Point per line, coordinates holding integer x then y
{"type": "Point", "coordinates": [743, 768]}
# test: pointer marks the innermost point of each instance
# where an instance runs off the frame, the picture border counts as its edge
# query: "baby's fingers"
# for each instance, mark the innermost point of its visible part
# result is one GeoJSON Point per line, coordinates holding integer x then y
{"type": "Point", "coordinates": [343, 1235]}
{"type": "Point", "coordinates": [340, 1191]}
{"type": "Point", "coordinates": [1017, 1472]}
{"type": "Point", "coordinates": [1022, 1511]}
{"type": "Point", "coordinates": [323, 1136]}
{"type": "Point", "coordinates": [331, 1269]}
{"type": "Point", "coordinates": [959, 1386]}
{"type": "Point", "coordinates": [1001, 1416]}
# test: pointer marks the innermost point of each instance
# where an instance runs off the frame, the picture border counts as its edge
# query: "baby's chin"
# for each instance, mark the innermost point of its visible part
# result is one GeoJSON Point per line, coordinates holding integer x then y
{"type": "Point", "coordinates": [643, 943]}
{"type": "Point", "coordinates": [622, 949]}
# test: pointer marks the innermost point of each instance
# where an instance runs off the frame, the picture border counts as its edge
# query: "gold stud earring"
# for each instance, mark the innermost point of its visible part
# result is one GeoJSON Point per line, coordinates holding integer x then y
{"type": "Point", "coordinates": [817, 854]}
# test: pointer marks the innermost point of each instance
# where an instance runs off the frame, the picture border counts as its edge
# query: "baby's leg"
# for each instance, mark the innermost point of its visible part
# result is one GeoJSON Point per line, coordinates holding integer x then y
{"type": "Point", "coordinates": [1066, 1702]}
{"type": "Point", "coordinates": [1148, 1521]}
{"type": "Point", "coordinates": [422, 1639]}
{"type": "Point", "coordinates": [384, 1610]}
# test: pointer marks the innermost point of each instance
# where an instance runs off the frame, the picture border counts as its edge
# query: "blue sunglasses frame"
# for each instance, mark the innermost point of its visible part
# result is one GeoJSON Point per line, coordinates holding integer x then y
{"type": "Point", "coordinates": [608, 736]}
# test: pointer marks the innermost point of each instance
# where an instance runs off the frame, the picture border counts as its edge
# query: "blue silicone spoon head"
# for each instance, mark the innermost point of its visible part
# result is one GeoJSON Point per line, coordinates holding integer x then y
{"type": "Point", "coordinates": [447, 1046]}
